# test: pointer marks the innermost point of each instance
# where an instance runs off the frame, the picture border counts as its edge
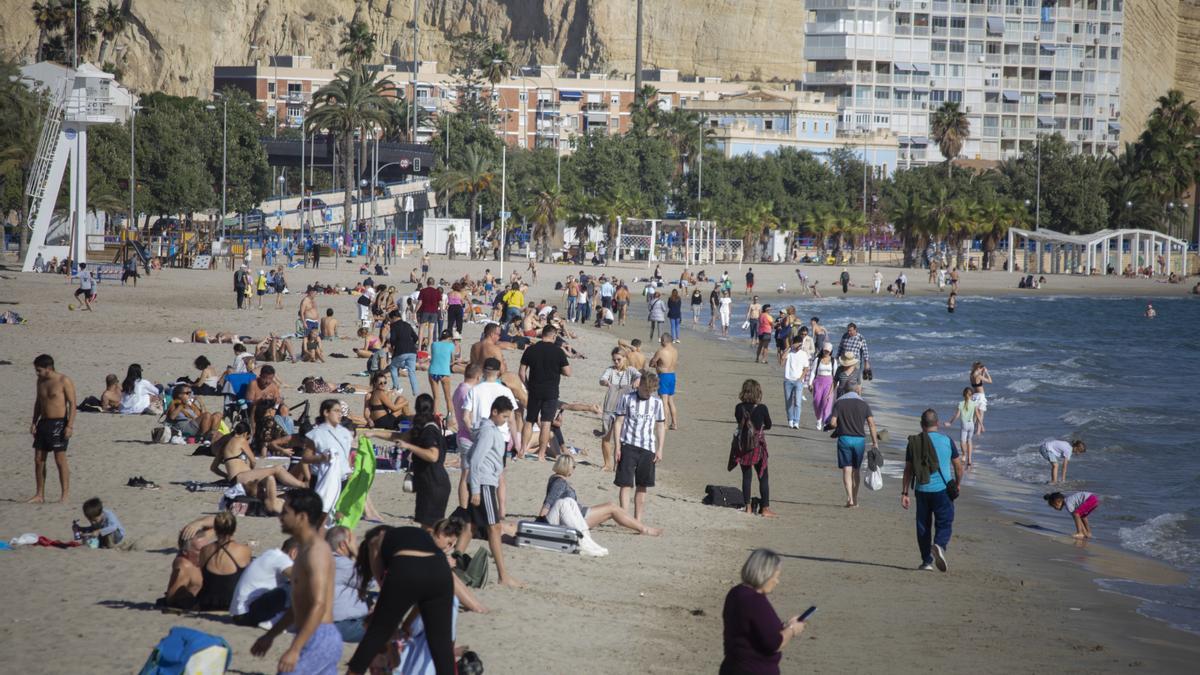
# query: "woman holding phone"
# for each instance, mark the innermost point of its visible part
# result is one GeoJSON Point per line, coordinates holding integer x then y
{"type": "Point", "coordinates": [754, 635]}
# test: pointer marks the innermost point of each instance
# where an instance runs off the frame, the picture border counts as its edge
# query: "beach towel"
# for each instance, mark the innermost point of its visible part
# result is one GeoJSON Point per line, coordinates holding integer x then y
{"type": "Point", "coordinates": [188, 651]}
{"type": "Point", "coordinates": [353, 500]}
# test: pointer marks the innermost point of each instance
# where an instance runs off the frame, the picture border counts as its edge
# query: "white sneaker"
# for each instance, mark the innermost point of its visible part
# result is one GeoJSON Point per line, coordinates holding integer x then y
{"type": "Point", "coordinates": [925, 567]}
{"type": "Point", "coordinates": [939, 558]}
{"type": "Point", "coordinates": [589, 547]}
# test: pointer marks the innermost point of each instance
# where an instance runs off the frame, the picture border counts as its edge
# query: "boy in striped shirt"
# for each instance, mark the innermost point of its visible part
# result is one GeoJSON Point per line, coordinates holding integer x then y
{"type": "Point", "coordinates": [639, 424]}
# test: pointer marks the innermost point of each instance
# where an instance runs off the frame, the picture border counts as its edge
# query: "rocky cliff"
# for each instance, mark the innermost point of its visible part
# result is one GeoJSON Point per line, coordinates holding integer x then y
{"type": "Point", "coordinates": [171, 45]}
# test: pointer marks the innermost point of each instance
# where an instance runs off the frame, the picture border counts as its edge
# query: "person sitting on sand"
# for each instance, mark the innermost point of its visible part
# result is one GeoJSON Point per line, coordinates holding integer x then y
{"type": "Point", "coordinates": [186, 580]}
{"type": "Point", "coordinates": [221, 565]}
{"type": "Point", "coordinates": [105, 528]}
{"type": "Point", "coordinates": [382, 408]}
{"type": "Point", "coordinates": [243, 361]}
{"type": "Point", "coordinates": [318, 385]}
{"type": "Point", "coordinates": [559, 487]}
{"type": "Point", "coordinates": [329, 325]}
{"type": "Point", "coordinates": [233, 460]}
{"type": "Point", "coordinates": [265, 390]}
{"type": "Point", "coordinates": [371, 345]}
{"type": "Point", "coordinates": [208, 380]}
{"type": "Point", "coordinates": [110, 400]}
{"type": "Point", "coordinates": [188, 416]}
{"type": "Point", "coordinates": [275, 348]}
{"type": "Point", "coordinates": [311, 351]}
{"type": "Point", "coordinates": [261, 593]}
{"type": "Point", "coordinates": [139, 396]}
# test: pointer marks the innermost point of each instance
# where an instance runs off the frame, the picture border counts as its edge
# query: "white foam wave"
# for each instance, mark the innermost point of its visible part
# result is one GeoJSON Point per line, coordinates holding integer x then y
{"type": "Point", "coordinates": [1023, 385]}
{"type": "Point", "coordinates": [1162, 537]}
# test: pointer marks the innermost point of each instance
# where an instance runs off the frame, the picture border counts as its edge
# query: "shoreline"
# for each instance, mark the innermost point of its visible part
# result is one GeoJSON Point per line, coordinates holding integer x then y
{"type": "Point", "coordinates": [653, 604]}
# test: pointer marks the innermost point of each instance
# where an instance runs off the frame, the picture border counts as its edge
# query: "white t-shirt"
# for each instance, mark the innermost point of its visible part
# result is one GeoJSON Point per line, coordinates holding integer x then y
{"type": "Point", "coordinates": [336, 443]}
{"type": "Point", "coordinates": [239, 362]}
{"type": "Point", "coordinates": [135, 403]}
{"type": "Point", "coordinates": [264, 573]}
{"type": "Point", "coordinates": [1056, 450]}
{"type": "Point", "coordinates": [479, 402]}
{"type": "Point", "coordinates": [85, 280]}
{"type": "Point", "coordinates": [794, 367]}
{"type": "Point", "coordinates": [1073, 500]}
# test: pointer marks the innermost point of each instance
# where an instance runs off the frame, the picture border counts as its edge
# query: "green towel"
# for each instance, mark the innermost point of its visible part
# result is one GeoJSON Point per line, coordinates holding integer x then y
{"type": "Point", "coordinates": [922, 456]}
{"type": "Point", "coordinates": [353, 500]}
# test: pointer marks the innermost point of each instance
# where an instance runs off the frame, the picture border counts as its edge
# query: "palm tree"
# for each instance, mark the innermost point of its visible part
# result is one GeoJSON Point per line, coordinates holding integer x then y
{"type": "Point", "coordinates": [48, 16]}
{"type": "Point", "coordinates": [940, 217]}
{"type": "Point", "coordinates": [644, 110]}
{"type": "Point", "coordinates": [544, 209]}
{"type": "Point", "coordinates": [358, 44]}
{"type": "Point", "coordinates": [475, 178]}
{"type": "Point", "coordinates": [495, 64]}
{"type": "Point", "coordinates": [399, 120]}
{"type": "Point", "coordinates": [821, 222]}
{"type": "Point", "coordinates": [950, 128]}
{"type": "Point", "coordinates": [907, 213]}
{"type": "Point", "coordinates": [852, 224]}
{"type": "Point", "coordinates": [355, 100]}
{"type": "Point", "coordinates": [995, 218]}
{"type": "Point", "coordinates": [109, 22]}
{"type": "Point", "coordinates": [86, 35]}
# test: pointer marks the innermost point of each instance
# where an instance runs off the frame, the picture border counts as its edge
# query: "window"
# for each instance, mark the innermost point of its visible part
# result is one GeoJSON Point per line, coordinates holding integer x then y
{"type": "Point", "coordinates": [523, 96]}
{"type": "Point", "coordinates": [294, 89]}
{"type": "Point", "coordinates": [769, 125]}
{"type": "Point", "coordinates": [937, 95]}
{"type": "Point", "coordinates": [271, 90]}
{"type": "Point", "coordinates": [804, 126]}
{"type": "Point", "coordinates": [954, 96]}
{"type": "Point", "coordinates": [615, 99]}
{"type": "Point", "coordinates": [295, 111]}
{"type": "Point", "coordinates": [958, 22]}
{"type": "Point", "coordinates": [827, 127]}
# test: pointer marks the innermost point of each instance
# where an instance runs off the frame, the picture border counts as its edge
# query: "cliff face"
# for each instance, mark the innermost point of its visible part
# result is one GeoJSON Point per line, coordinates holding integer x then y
{"type": "Point", "coordinates": [172, 45]}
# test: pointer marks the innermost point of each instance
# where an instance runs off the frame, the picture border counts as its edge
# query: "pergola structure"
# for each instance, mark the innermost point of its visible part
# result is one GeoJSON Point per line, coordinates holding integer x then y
{"type": "Point", "coordinates": [1084, 253]}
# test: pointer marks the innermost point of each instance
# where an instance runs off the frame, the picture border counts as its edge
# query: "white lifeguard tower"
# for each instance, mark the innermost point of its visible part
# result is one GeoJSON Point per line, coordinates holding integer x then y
{"type": "Point", "coordinates": [78, 97]}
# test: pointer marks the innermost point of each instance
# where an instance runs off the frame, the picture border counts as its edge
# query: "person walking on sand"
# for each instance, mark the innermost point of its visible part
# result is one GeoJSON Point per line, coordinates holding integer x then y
{"type": "Point", "coordinates": [795, 374]}
{"type": "Point", "coordinates": [675, 313]}
{"type": "Point", "coordinates": [53, 422]}
{"type": "Point", "coordinates": [752, 314]}
{"type": "Point", "coordinates": [317, 647]}
{"type": "Point", "coordinates": [749, 281]}
{"type": "Point", "coordinates": [854, 344]}
{"type": "Point", "coordinates": [726, 309]}
{"type": "Point", "coordinates": [749, 447]}
{"type": "Point", "coordinates": [714, 304]}
{"type": "Point", "coordinates": [844, 280]}
{"type": "Point", "coordinates": [87, 286]}
{"type": "Point", "coordinates": [639, 426]}
{"type": "Point", "coordinates": [821, 384]}
{"type": "Point", "coordinates": [1058, 452]}
{"type": "Point", "coordinates": [927, 462]}
{"type": "Point", "coordinates": [965, 414]}
{"type": "Point", "coordinates": [665, 361]}
{"type": "Point", "coordinates": [979, 377]}
{"type": "Point", "coordinates": [697, 301]}
{"type": "Point", "coordinates": [657, 314]}
{"type": "Point", "coordinates": [543, 365]}
{"type": "Point", "coordinates": [876, 282]}
{"type": "Point", "coordinates": [851, 419]}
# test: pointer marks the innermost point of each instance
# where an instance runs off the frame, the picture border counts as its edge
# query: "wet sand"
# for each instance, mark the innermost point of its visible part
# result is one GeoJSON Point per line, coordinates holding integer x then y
{"type": "Point", "coordinates": [1011, 602]}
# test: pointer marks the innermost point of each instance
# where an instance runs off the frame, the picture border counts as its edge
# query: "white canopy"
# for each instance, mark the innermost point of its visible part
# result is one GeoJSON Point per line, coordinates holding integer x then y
{"type": "Point", "coordinates": [1085, 253]}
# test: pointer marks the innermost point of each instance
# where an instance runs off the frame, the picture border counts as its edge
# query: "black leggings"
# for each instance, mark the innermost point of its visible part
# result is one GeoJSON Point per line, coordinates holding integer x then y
{"type": "Point", "coordinates": [412, 580]}
{"type": "Point", "coordinates": [454, 315]}
{"type": "Point", "coordinates": [764, 486]}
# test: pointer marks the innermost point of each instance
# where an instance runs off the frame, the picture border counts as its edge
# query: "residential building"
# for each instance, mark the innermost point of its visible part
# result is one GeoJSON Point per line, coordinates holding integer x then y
{"type": "Point", "coordinates": [283, 86]}
{"type": "Point", "coordinates": [1018, 69]}
{"type": "Point", "coordinates": [762, 121]}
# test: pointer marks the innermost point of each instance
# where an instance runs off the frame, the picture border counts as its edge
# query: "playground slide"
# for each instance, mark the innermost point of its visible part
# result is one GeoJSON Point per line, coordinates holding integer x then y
{"type": "Point", "coordinates": [142, 254]}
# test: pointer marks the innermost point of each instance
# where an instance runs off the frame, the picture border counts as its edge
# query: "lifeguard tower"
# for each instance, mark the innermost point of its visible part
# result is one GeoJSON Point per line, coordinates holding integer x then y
{"type": "Point", "coordinates": [78, 98]}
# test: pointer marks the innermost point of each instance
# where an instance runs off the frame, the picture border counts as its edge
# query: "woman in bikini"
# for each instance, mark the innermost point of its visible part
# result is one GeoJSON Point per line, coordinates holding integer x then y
{"type": "Point", "coordinates": [455, 308]}
{"type": "Point", "coordinates": [371, 344]}
{"type": "Point", "coordinates": [274, 348]}
{"type": "Point", "coordinates": [233, 460]}
{"type": "Point", "coordinates": [188, 416]}
{"type": "Point", "coordinates": [979, 377]}
{"type": "Point", "coordinates": [312, 348]}
{"type": "Point", "coordinates": [382, 408]}
{"type": "Point", "coordinates": [221, 565]}
{"type": "Point", "coordinates": [207, 383]}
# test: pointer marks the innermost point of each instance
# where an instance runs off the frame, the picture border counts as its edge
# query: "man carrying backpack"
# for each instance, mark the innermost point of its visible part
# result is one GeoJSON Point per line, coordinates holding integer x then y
{"type": "Point", "coordinates": [241, 280]}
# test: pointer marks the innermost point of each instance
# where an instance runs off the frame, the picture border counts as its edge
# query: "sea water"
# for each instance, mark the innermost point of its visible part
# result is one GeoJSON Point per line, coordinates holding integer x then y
{"type": "Point", "coordinates": [1063, 367]}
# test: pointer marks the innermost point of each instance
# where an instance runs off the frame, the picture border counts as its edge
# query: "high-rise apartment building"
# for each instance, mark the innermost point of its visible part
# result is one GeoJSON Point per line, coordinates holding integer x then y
{"type": "Point", "coordinates": [1017, 68]}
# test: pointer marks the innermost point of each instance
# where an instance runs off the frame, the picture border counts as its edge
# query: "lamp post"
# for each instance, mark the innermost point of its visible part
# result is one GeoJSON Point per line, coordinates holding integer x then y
{"type": "Point", "coordinates": [1037, 218]}
{"type": "Point", "coordinates": [132, 164]}
{"type": "Point", "coordinates": [224, 153]}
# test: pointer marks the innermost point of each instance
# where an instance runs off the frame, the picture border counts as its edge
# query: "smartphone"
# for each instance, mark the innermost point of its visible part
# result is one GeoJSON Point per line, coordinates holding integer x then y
{"type": "Point", "coordinates": [808, 612]}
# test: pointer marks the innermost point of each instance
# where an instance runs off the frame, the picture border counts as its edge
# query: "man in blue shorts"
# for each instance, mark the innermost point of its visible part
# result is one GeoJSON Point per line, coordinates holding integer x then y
{"type": "Point", "coordinates": [851, 419]}
{"type": "Point", "coordinates": [665, 360]}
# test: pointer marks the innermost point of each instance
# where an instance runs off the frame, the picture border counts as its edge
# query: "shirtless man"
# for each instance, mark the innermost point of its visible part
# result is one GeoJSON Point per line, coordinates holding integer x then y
{"type": "Point", "coordinates": [490, 346]}
{"type": "Point", "coordinates": [53, 419]}
{"type": "Point", "coordinates": [317, 647]}
{"type": "Point", "coordinates": [752, 313]}
{"type": "Point", "coordinates": [621, 302]}
{"type": "Point", "coordinates": [266, 388]}
{"type": "Point", "coordinates": [633, 353]}
{"type": "Point", "coordinates": [329, 325]}
{"type": "Point", "coordinates": [665, 360]}
{"type": "Point", "coordinates": [308, 310]}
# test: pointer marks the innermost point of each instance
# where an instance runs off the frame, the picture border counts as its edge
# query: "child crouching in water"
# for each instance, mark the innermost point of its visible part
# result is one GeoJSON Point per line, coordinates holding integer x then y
{"type": "Point", "coordinates": [1080, 505]}
{"type": "Point", "coordinates": [105, 530]}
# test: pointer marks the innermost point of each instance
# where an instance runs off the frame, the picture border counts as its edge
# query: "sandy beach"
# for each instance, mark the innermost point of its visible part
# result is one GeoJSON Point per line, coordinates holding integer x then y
{"type": "Point", "coordinates": [1014, 601]}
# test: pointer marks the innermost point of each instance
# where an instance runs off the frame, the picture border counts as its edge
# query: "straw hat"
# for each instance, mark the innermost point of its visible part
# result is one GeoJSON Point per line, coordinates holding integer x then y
{"type": "Point", "coordinates": [848, 360]}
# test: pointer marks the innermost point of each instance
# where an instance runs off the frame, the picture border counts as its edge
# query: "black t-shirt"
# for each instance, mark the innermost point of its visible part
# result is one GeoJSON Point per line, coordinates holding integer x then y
{"type": "Point", "coordinates": [697, 298]}
{"type": "Point", "coordinates": [749, 277]}
{"type": "Point", "coordinates": [545, 361]}
{"type": "Point", "coordinates": [851, 414]}
{"type": "Point", "coordinates": [428, 475]}
{"type": "Point", "coordinates": [403, 338]}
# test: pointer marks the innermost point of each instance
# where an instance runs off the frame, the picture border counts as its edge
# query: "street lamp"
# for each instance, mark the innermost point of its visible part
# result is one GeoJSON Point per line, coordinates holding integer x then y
{"type": "Point", "coordinates": [132, 163]}
{"type": "Point", "coordinates": [224, 154]}
{"type": "Point", "coordinates": [1037, 218]}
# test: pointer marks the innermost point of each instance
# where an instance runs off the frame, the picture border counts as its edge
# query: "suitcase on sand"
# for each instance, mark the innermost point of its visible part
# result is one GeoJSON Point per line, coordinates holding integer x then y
{"type": "Point", "coordinates": [548, 537]}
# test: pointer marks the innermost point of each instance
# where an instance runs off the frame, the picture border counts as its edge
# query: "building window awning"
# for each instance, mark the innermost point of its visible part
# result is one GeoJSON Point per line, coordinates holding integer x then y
{"type": "Point", "coordinates": [1048, 49]}
{"type": "Point", "coordinates": [921, 68]}
{"type": "Point", "coordinates": [1011, 96]}
{"type": "Point", "coordinates": [902, 90]}
{"type": "Point", "coordinates": [920, 140]}
{"type": "Point", "coordinates": [1047, 122]}
{"type": "Point", "coordinates": [906, 140]}
{"type": "Point", "coordinates": [904, 67]}
{"type": "Point", "coordinates": [570, 96]}
{"type": "Point", "coordinates": [1114, 126]}
{"type": "Point", "coordinates": [1046, 95]}
{"type": "Point", "coordinates": [995, 25]}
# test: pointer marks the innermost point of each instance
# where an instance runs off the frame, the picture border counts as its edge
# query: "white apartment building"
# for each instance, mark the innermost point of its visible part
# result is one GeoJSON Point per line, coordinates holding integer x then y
{"type": "Point", "coordinates": [1018, 69]}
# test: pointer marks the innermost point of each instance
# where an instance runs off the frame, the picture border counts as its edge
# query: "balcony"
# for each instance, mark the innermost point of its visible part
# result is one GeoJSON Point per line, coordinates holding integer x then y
{"type": "Point", "coordinates": [830, 78]}
{"type": "Point", "coordinates": [597, 107]}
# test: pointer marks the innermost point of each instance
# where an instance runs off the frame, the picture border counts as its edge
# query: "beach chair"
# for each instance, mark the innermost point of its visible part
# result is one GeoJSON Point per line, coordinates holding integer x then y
{"type": "Point", "coordinates": [236, 385]}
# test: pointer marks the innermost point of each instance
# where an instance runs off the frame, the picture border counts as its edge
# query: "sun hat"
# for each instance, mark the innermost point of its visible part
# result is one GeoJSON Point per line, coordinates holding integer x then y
{"type": "Point", "coordinates": [848, 360]}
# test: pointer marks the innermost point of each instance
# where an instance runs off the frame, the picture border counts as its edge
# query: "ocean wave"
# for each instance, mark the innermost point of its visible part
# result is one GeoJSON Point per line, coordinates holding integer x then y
{"type": "Point", "coordinates": [1023, 385]}
{"type": "Point", "coordinates": [1162, 537]}
{"type": "Point", "coordinates": [1110, 416]}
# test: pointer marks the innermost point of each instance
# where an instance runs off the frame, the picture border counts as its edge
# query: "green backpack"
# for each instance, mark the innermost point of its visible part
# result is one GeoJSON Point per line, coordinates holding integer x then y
{"type": "Point", "coordinates": [472, 569]}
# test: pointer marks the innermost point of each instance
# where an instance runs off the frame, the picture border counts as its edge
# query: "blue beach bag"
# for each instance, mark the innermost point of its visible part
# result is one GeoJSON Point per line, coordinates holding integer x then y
{"type": "Point", "coordinates": [188, 651]}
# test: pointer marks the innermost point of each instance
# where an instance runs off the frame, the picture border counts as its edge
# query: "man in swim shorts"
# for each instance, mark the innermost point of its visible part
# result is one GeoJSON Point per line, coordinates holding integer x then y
{"type": "Point", "coordinates": [317, 647]}
{"type": "Point", "coordinates": [665, 361]}
{"type": "Point", "coordinates": [53, 419]}
{"type": "Point", "coordinates": [308, 310]}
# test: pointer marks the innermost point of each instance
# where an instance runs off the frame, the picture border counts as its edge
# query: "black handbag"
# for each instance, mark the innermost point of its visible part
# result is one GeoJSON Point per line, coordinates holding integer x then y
{"type": "Point", "coordinates": [951, 484]}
